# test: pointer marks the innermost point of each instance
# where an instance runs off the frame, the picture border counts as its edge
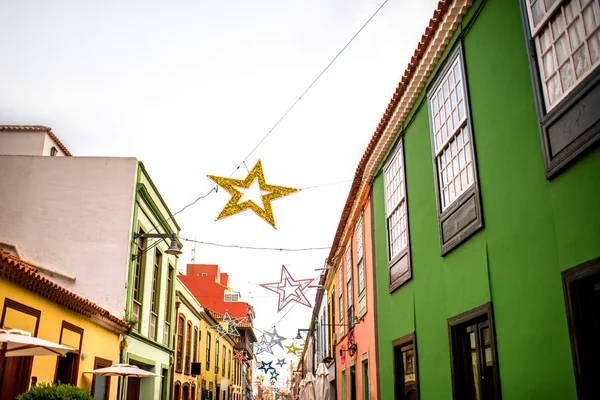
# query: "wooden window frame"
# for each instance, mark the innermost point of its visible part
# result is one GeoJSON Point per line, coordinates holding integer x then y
{"type": "Point", "coordinates": [23, 308]}
{"type": "Point", "coordinates": [469, 317]}
{"type": "Point", "coordinates": [73, 328]}
{"type": "Point", "coordinates": [208, 338]}
{"type": "Point", "coordinates": [101, 363]}
{"type": "Point", "coordinates": [179, 350]}
{"type": "Point", "coordinates": [223, 359]}
{"type": "Point", "coordinates": [188, 348]}
{"type": "Point", "coordinates": [399, 266]}
{"type": "Point", "coordinates": [168, 305]}
{"type": "Point", "coordinates": [572, 127]}
{"type": "Point", "coordinates": [349, 267]}
{"type": "Point", "coordinates": [571, 277]}
{"type": "Point", "coordinates": [216, 356]}
{"type": "Point", "coordinates": [196, 342]}
{"type": "Point", "coordinates": [463, 217]}
{"type": "Point", "coordinates": [405, 341]}
{"type": "Point", "coordinates": [156, 280]}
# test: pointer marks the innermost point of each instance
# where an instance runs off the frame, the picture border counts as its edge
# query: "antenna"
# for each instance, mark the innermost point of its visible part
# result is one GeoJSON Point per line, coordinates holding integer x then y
{"type": "Point", "coordinates": [193, 260]}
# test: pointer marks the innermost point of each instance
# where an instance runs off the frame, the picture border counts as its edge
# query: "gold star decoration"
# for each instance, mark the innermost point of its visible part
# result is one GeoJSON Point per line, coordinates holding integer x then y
{"type": "Point", "coordinates": [231, 185]}
{"type": "Point", "coordinates": [292, 349]}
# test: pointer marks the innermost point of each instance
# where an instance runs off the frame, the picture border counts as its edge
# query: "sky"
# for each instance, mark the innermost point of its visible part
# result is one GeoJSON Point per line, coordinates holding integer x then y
{"type": "Point", "coordinates": [191, 87]}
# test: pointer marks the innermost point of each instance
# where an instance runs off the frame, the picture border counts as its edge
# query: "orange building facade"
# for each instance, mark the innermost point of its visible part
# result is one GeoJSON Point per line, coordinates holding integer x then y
{"type": "Point", "coordinates": [352, 308]}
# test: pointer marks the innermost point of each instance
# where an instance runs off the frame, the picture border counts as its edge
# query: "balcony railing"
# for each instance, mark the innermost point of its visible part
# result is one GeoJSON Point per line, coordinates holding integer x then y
{"type": "Point", "coordinates": [166, 330]}
{"type": "Point", "coordinates": [135, 313]}
{"type": "Point", "coordinates": [153, 318]}
{"type": "Point", "coordinates": [350, 317]}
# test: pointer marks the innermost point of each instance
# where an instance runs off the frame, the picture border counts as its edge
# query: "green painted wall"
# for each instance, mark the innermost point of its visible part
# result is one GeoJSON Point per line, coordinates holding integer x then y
{"type": "Point", "coordinates": [533, 230]}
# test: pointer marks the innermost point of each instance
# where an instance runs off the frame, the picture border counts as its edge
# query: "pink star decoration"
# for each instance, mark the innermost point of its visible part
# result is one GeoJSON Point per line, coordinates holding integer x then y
{"type": "Point", "coordinates": [289, 289]}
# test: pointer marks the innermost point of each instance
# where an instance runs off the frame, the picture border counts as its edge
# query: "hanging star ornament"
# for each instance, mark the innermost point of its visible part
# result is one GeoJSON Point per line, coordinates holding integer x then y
{"type": "Point", "coordinates": [234, 206]}
{"type": "Point", "coordinates": [289, 289]}
{"type": "Point", "coordinates": [266, 367]}
{"type": "Point", "coordinates": [281, 362]}
{"type": "Point", "coordinates": [274, 375]}
{"type": "Point", "coordinates": [292, 349]}
{"type": "Point", "coordinates": [240, 355]}
{"type": "Point", "coordinates": [263, 346]}
{"type": "Point", "coordinates": [275, 338]}
{"type": "Point", "coordinates": [227, 326]}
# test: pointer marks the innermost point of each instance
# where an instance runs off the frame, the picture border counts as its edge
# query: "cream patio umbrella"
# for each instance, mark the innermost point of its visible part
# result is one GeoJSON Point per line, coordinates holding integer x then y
{"type": "Point", "coordinates": [18, 343]}
{"type": "Point", "coordinates": [322, 383]}
{"type": "Point", "coordinates": [124, 371]}
{"type": "Point", "coordinates": [301, 391]}
{"type": "Point", "coordinates": [309, 388]}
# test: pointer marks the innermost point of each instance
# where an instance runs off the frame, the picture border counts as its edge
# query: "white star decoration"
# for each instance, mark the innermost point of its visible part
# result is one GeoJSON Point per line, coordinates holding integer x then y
{"type": "Point", "coordinates": [228, 326]}
{"type": "Point", "coordinates": [275, 338]}
{"type": "Point", "coordinates": [289, 289]}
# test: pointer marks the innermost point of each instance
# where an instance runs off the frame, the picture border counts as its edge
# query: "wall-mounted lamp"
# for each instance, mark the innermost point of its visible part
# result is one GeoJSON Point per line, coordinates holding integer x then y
{"type": "Point", "coordinates": [351, 350]}
{"type": "Point", "coordinates": [173, 249]}
{"type": "Point", "coordinates": [298, 336]}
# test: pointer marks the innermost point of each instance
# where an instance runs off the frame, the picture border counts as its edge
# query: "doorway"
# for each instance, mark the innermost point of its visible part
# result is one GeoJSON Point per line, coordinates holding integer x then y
{"type": "Point", "coordinates": [353, 382]}
{"type": "Point", "coordinates": [133, 388]}
{"type": "Point", "coordinates": [582, 296]}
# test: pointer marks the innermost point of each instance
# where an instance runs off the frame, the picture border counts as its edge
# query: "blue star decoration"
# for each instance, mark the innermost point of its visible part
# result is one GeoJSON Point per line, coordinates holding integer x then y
{"type": "Point", "coordinates": [266, 367]}
{"type": "Point", "coordinates": [281, 362]}
{"type": "Point", "coordinates": [274, 374]}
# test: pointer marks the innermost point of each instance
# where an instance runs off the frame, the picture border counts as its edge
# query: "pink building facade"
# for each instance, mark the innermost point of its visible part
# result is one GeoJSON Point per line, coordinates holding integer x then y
{"type": "Point", "coordinates": [351, 296]}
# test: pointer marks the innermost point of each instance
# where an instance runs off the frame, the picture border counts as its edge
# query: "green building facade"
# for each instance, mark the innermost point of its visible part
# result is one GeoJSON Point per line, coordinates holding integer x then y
{"type": "Point", "coordinates": [491, 242]}
{"type": "Point", "coordinates": [150, 305]}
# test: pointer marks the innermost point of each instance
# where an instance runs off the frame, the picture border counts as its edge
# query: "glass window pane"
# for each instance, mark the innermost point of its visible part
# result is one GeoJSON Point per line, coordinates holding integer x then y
{"type": "Point", "coordinates": [566, 75]}
{"type": "Point", "coordinates": [537, 12]}
{"type": "Point", "coordinates": [594, 46]}
{"type": "Point", "coordinates": [562, 49]}
{"type": "Point", "coordinates": [590, 19]}
{"type": "Point", "coordinates": [576, 34]}
{"type": "Point", "coordinates": [581, 61]}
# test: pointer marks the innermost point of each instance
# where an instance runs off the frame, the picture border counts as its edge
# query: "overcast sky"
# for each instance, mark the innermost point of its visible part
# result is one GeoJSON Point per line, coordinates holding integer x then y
{"type": "Point", "coordinates": [190, 87]}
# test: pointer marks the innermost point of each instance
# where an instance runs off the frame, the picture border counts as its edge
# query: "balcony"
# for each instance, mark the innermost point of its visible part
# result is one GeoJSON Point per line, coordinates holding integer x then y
{"type": "Point", "coordinates": [350, 317]}
{"type": "Point", "coordinates": [246, 346]}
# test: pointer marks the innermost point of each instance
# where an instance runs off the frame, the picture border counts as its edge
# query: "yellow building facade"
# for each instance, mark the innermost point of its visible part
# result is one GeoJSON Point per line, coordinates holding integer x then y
{"type": "Point", "coordinates": [33, 303]}
{"type": "Point", "coordinates": [204, 366]}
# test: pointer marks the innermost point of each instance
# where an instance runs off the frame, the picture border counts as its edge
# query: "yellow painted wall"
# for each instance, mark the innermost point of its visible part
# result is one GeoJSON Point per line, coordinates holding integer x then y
{"type": "Point", "coordinates": [97, 341]}
{"type": "Point", "coordinates": [205, 323]}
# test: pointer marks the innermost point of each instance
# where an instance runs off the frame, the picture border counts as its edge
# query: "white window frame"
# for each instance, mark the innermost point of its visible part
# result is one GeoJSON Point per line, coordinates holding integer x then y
{"type": "Point", "coordinates": [341, 309]}
{"type": "Point", "coordinates": [451, 138]}
{"type": "Point", "coordinates": [549, 35]}
{"type": "Point", "coordinates": [394, 186]}
{"type": "Point", "coordinates": [360, 256]}
{"type": "Point", "coordinates": [348, 265]}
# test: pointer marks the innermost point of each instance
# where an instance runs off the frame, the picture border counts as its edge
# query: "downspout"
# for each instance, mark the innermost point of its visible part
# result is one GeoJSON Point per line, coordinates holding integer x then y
{"type": "Point", "coordinates": [177, 304]}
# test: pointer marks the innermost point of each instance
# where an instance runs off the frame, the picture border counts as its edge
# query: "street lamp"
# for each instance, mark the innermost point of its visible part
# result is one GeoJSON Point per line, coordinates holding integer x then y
{"type": "Point", "coordinates": [173, 249]}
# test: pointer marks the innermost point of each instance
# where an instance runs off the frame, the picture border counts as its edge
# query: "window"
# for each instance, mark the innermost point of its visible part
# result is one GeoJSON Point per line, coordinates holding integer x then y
{"type": "Point", "coordinates": [366, 385]}
{"type": "Point", "coordinates": [195, 351]}
{"type": "Point", "coordinates": [53, 151]}
{"type": "Point", "coordinates": [360, 264]}
{"type": "Point", "coordinates": [229, 364]}
{"type": "Point", "coordinates": [67, 367]}
{"type": "Point", "coordinates": [231, 297]}
{"type": "Point", "coordinates": [349, 287]}
{"type": "Point", "coordinates": [341, 308]}
{"type": "Point", "coordinates": [582, 296]}
{"type": "Point", "coordinates": [168, 305]}
{"type": "Point", "coordinates": [455, 172]}
{"type": "Point", "coordinates": [208, 351]}
{"type": "Point", "coordinates": [188, 348]}
{"type": "Point", "coordinates": [180, 339]}
{"type": "Point", "coordinates": [217, 357]}
{"type": "Point", "coordinates": [331, 327]}
{"type": "Point", "coordinates": [101, 384]}
{"type": "Point", "coordinates": [137, 281]}
{"type": "Point", "coordinates": [473, 355]}
{"type": "Point", "coordinates": [405, 368]}
{"type": "Point", "coordinates": [223, 354]}
{"type": "Point", "coordinates": [396, 214]}
{"type": "Point", "coordinates": [154, 307]}
{"type": "Point", "coordinates": [564, 55]}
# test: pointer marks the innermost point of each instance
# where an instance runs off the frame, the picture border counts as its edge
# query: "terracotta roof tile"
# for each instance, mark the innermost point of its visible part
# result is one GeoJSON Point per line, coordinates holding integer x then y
{"type": "Point", "coordinates": [430, 31]}
{"type": "Point", "coordinates": [36, 128]}
{"type": "Point", "coordinates": [12, 265]}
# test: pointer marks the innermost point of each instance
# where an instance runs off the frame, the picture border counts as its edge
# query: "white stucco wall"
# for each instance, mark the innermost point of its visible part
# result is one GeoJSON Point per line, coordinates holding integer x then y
{"type": "Point", "coordinates": [22, 143]}
{"type": "Point", "coordinates": [72, 214]}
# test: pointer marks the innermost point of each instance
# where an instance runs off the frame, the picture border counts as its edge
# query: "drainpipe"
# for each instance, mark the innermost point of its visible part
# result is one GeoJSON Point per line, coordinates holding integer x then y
{"type": "Point", "coordinates": [177, 304]}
